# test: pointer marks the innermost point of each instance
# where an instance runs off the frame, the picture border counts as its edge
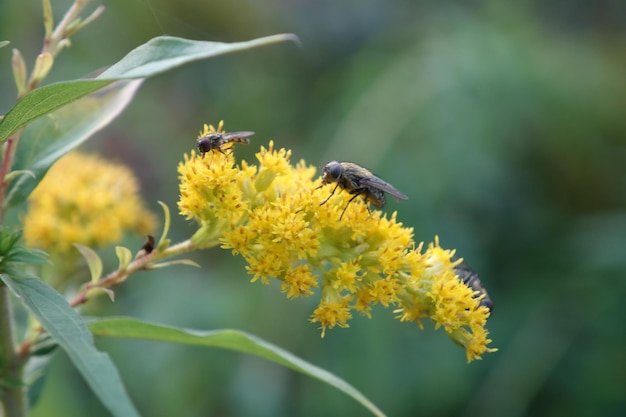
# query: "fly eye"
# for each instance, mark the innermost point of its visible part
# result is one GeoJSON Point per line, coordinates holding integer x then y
{"type": "Point", "coordinates": [203, 145]}
{"type": "Point", "coordinates": [334, 170]}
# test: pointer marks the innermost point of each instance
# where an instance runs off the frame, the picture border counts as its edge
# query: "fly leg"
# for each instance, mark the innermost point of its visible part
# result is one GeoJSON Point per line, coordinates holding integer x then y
{"type": "Point", "coordinates": [331, 193]}
{"type": "Point", "coordinates": [356, 194]}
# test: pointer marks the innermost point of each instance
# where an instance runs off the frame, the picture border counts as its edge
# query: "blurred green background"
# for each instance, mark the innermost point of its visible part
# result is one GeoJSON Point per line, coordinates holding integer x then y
{"type": "Point", "coordinates": [505, 123]}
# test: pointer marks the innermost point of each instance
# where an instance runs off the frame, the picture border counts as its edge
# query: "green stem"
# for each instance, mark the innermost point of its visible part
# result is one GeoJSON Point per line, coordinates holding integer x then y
{"type": "Point", "coordinates": [12, 390]}
{"type": "Point", "coordinates": [115, 278]}
{"type": "Point", "coordinates": [55, 43]}
{"type": "Point", "coordinates": [144, 262]}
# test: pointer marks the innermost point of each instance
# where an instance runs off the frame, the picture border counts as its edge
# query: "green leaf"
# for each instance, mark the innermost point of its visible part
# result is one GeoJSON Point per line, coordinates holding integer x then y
{"type": "Point", "coordinates": [226, 339]}
{"type": "Point", "coordinates": [124, 255]}
{"type": "Point", "coordinates": [4, 43]}
{"type": "Point", "coordinates": [14, 174]}
{"type": "Point", "coordinates": [93, 261]}
{"type": "Point", "coordinates": [158, 55]}
{"type": "Point", "coordinates": [67, 327]}
{"type": "Point", "coordinates": [163, 53]}
{"type": "Point", "coordinates": [8, 382]}
{"type": "Point", "coordinates": [48, 20]}
{"type": "Point", "coordinates": [187, 262]}
{"type": "Point", "coordinates": [35, 373]}
{"type": "Point", "coordinates": [46, 140]}
{"type": "Point", "coordinates": [164, 241]}
{"type": "Point", "coordinates": [29, 256]}
{"type": "Point", "coordinates": [45, 100]}
{"type": "Point", "coordinates": [19, 71]}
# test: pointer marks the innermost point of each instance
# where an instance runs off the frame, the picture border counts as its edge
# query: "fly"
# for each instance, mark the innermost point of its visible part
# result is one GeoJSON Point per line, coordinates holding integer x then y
{"type": "Point", "coordinates": [216, 140]}
{"type": "Point", "coordinates": [358, 181]}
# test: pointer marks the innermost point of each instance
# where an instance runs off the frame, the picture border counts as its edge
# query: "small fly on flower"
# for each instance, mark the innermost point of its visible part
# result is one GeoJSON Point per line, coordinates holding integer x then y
{"type": "Point", "coordinates": [215, 141]}
{"type": "Point", "coordinates": [470, 278]}
{"type": "Point", "coordinates": [358, 181]}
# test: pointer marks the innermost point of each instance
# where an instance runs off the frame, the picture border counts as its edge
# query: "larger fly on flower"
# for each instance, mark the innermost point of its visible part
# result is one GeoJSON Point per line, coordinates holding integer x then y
{"type": "Point", "coordinates": [358, 181]}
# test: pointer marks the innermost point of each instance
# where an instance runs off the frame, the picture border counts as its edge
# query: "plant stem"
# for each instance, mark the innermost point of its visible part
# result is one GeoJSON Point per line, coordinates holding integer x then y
{"type": "Point", "coordinates": [114, 278]}
{"type": "Point", "coordinates": [54, 44]}
{"type": "Point", "coordinates": [120, 276]}
{"type": "Point", "coordinates": [12, 390]}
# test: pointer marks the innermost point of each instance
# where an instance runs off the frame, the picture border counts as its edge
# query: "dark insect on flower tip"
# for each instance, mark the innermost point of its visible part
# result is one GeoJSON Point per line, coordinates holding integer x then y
{"type": "Point", "coordinates": [148, 247]}
{"type": "Point", "coordinates": [470, 278]}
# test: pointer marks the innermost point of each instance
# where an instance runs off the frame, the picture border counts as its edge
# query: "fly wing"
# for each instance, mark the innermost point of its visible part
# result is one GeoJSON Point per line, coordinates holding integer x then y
{"type": "Point", "coordinates": [236, 135]}
{"type": "Point", "coordinates": [375, 182]}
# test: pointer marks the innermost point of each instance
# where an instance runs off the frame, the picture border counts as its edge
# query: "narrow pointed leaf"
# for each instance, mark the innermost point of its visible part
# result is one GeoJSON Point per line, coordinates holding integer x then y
{"type": "Point", "coordinates": [65, 325]}
{"type": "Point", "coordinates": [124, 255]}
{"type": "Point", "coordinates": [93, 261]}
{"type": "Point", "coordinates": [43, 65]}
{"type": "Point", "coordinates": [45, 100]}
{"type": "Point", "coordinates": [164, 242]}
{"type": "Point", "coordinates": [30, 256]}
{"type": "Point", "coordinates": [19, 71]}
{"type": "Point", "coordinates": [35, 374]}
{"type": "Point", "coordinates": [226, 339]}
{"type": "Point", "coordinates": [158, 55]}
{"type": "Point", "coordinates": [48, 20]}
{"type": "Point", "coordinates": [96, 291]}
{"type": "Point", "coordinates": [46, 140]}
{"type": "Point", "coordinates": [187, 262]}
{"type": "Point", "coordinates": [166, 52]}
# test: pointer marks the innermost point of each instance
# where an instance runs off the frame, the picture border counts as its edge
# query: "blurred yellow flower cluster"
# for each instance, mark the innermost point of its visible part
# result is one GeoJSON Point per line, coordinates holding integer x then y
{"type": "Point", "coordinates": [271, 215]}
{"type": "Point", "coordinates": [84, 199]}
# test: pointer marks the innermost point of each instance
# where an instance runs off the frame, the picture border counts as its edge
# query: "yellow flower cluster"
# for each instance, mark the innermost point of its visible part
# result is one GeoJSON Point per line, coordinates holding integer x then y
{"type": "Point", "coordinates": [271, 215]}
{"type": "Point", "coordinates": [84, 199]}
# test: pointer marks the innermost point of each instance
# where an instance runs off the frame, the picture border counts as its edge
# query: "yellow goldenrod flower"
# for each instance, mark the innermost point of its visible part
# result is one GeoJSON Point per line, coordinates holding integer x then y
{"type": "Point", "coordinates": [270, 214]}
{"type": "Point", "coordinates": [331, 314]}
{"type": "Point", "coordinates": [299, 281]}
{"type": "Point", "coordinates": [84, 199]}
